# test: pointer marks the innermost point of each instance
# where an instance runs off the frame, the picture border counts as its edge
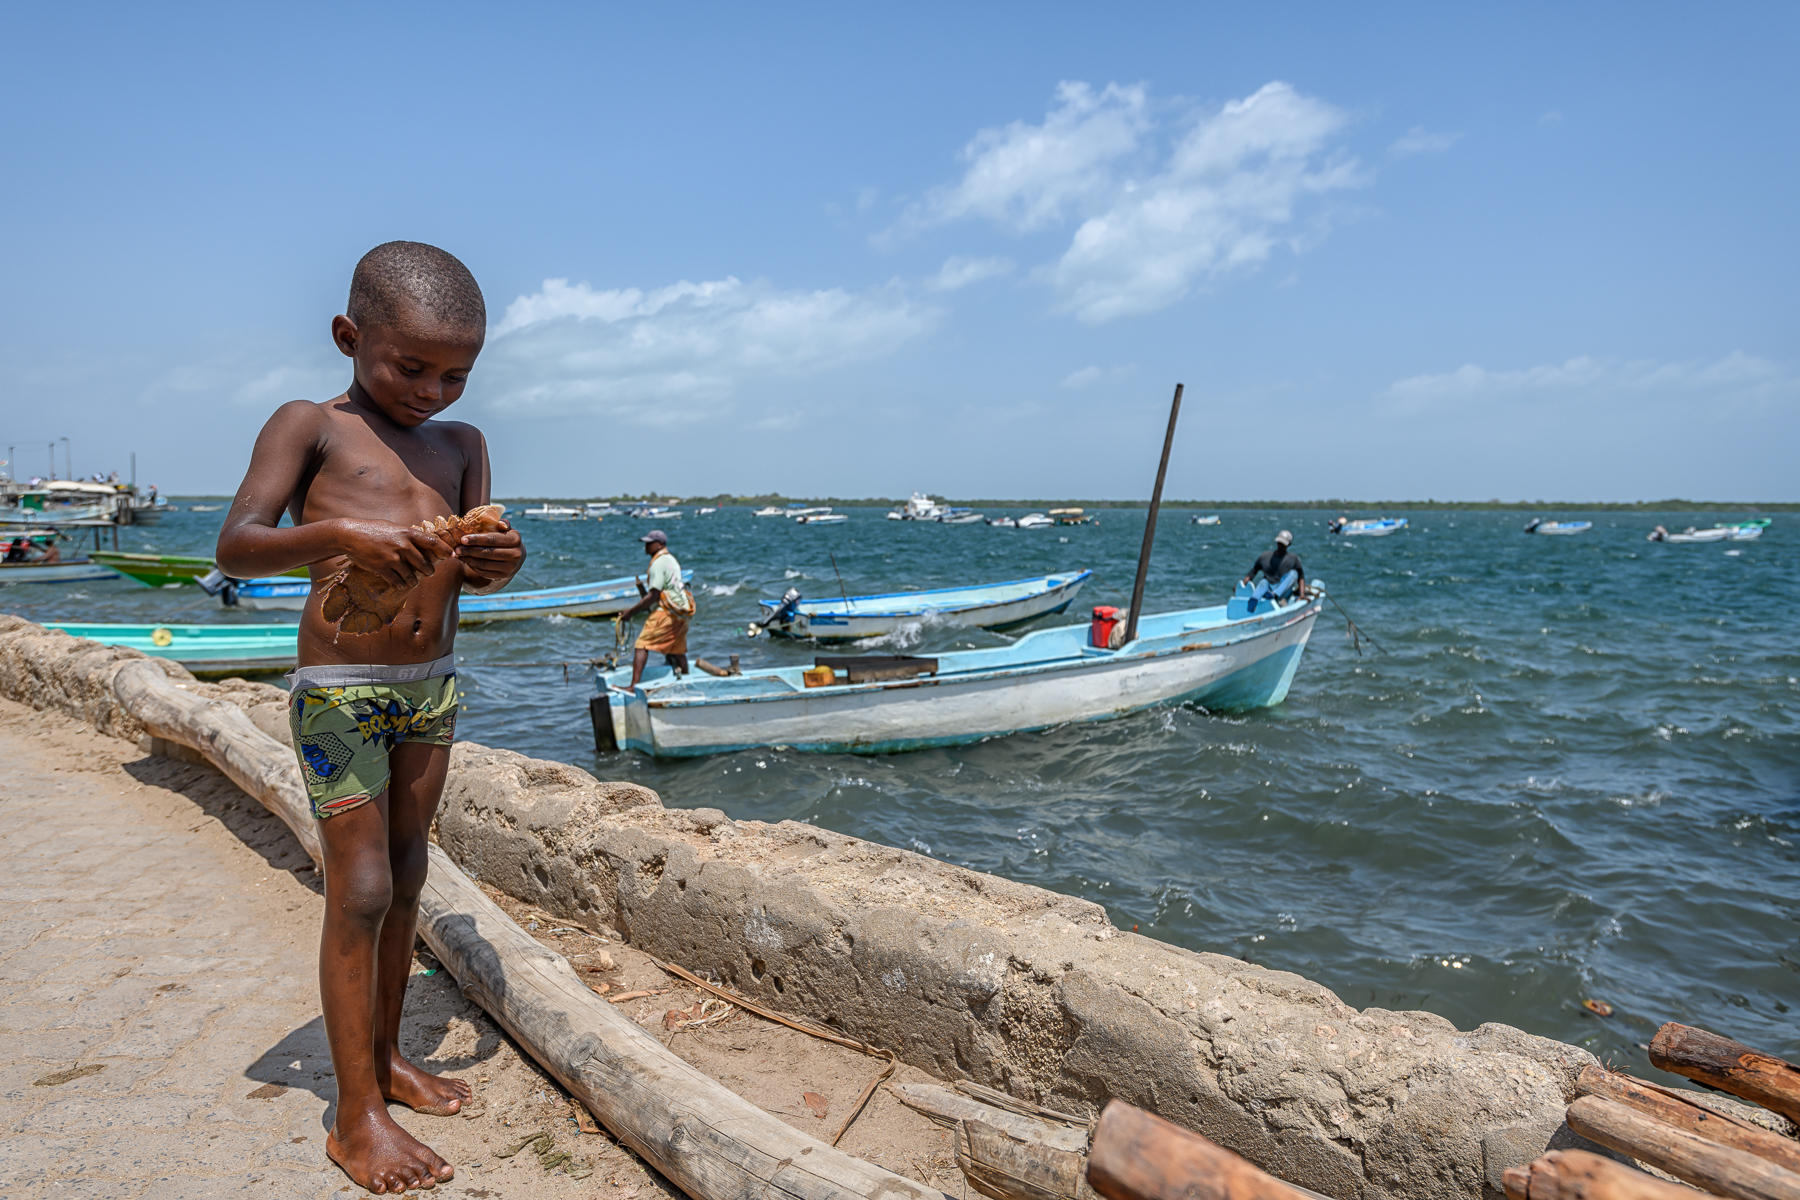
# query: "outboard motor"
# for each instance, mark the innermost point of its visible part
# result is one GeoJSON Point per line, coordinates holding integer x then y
{"type": "Point", "coordinates": [216, 583]}
{"type": "Point", "coordinates": [781, 614]}
{"type": "Point", "coordinates": [1531, 525]}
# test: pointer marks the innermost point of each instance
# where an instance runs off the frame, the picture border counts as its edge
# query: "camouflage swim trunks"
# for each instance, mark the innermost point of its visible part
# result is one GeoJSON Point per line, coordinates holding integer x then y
{"type": "Point", "coordinates": [346, 719]}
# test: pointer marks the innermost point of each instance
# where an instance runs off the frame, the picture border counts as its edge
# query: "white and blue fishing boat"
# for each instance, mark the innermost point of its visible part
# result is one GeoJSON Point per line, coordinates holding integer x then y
{"type": "Point", "coordinates": [1231, 657]}
{"type": "Point", "coordinates": [1557, 528]}
{"type": "Point", "coordinates": [1377, 527]}
{"type": "Point", "coordinates": [987, 606]}
{"type": "Point", "coordinates": [602, 598]}
{"type": "Point", "coordinates": [69, 570]}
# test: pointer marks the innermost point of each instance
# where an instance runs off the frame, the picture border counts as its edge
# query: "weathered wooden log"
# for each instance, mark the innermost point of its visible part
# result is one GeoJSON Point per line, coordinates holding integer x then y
{"type": "Point", "coordinates": [1137, 1156]}
{"type": "Point", "coordinates": [947, 1108]}
{"type": "Point", "coordinates": [1689, 1111]}
{"type": "Point", "coordinates": [1705, 1164]}
{"type": "Point", "coordinates": [708, 1140]}
{"type": "Point", "coordinates": [1000, 1163]}
{"type": "Point", "coordinates": [1580, 1175]}
{"type": "Point", "coordinates": [1729, 1066]}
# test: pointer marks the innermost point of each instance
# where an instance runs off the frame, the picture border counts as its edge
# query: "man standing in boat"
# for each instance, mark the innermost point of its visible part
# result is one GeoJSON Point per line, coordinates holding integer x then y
{"type": "Point", "coordinates": [1274, 565]}
{"type": "Point", "coordinates": [672, 606]}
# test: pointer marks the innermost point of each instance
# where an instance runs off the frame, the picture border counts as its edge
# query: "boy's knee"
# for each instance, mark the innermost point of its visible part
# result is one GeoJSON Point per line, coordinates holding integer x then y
{"type": "Point", "coordinates": [366, 896]}
{"type": "Point", "coordinates": [410, 865]}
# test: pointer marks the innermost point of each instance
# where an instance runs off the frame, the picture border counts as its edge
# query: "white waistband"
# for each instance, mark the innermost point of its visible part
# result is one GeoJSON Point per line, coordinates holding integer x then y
{"type": "Point", "coordinates": [364, 674]}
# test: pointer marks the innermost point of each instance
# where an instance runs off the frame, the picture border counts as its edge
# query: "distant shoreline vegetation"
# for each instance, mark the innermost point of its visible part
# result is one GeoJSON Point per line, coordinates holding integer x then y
{"type": "Point", "coordinates": [1643, 506]}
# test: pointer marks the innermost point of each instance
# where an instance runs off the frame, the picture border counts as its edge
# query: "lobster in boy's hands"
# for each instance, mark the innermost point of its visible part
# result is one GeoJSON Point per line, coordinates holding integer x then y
{"type": "Point", "coordinates": [360, 601]}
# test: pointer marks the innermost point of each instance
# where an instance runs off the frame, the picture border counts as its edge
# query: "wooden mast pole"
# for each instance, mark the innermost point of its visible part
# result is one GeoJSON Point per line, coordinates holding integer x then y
{"type": "Point", "coordinates": [1162, 470]}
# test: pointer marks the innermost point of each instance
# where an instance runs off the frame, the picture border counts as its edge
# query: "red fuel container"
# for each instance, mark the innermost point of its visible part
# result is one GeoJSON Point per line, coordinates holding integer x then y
{"type": "Point", "coordinates": [1100, 632]}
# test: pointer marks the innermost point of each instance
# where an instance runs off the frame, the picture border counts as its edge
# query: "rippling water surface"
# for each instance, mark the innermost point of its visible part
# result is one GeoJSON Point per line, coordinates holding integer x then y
{"type": "Point", "coordinates": [1573, 773]}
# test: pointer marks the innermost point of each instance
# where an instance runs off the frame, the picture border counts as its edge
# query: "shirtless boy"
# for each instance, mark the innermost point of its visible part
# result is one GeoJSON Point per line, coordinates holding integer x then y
{"type": "Point", "coordinates": [374, 714]}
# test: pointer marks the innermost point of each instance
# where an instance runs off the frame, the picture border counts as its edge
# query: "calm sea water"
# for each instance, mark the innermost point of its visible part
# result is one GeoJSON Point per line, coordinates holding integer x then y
{"type": "Point", "coordinates": [1573, 773]}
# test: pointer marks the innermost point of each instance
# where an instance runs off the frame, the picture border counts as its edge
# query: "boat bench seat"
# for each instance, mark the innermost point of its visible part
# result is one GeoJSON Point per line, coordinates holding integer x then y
{"type": "Point", "coordinates": [876, 668]}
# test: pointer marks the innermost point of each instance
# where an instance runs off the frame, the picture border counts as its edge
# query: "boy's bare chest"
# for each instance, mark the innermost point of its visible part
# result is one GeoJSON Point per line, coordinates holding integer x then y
{"type": "Point", "coordinates": [363, 474]}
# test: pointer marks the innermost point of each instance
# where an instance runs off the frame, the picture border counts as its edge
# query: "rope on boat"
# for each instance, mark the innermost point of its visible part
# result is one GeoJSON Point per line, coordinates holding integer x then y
{"type": "Point", "coordinates": [1357, 632]}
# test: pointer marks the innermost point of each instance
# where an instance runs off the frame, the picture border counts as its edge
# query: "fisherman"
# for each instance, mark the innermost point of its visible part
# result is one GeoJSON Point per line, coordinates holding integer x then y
{"type": "Point", "coordinates": [15, 550]}
{"type": "Point", "coordinates": [1275, 564]}
{"type": "Point", "coordinates": [665, 632]}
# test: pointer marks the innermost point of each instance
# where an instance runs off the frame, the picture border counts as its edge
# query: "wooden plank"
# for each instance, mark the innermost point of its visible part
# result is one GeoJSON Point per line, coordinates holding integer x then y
{"type": "Point", "coordinates": [1581, 1175]}
{"type": "Point", "coordinates": [1718, 1169]}
{"type": "Point", "coordinates": [1137, 1156]}
{"type": "Point", "coordinates": [999, 1099]}
{"type": "Point", "coordinates": [1003, 1165]}
{"type": "Point", "coordinates": [947, 1108]}
{"type": "Point", "coordinates": [711, 1142]}
{"type": "Point", "coordinates": [1729, 1066]}
{"type": "Point", "coordinates": [1690, 1111]}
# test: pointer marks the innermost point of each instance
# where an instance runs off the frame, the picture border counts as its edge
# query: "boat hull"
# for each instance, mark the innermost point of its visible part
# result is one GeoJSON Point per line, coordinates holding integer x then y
{"type": "Point", "coordinates": [162, 570]}
{"type": "Point", "coordinates": [75, 571]}
{"type": "Point", "coordinates": [205, 650]}
{"type": "Point", "coordinates": [1225, 667]}
{"type": "Point", "coordinates": [881, 615]}
{"type": "Point", "coordinates": [602, 599]}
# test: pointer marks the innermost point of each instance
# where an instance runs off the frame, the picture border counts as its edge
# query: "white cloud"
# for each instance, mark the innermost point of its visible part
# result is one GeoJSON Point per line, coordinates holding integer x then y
{"type": "Point", "coordinates": [1030, 176]}
{"type": "Point", "coordinates": [1089, 376]}
{"type": "Point", "coordinates": [1419, 140]}
{"type": "Point", "coordinates": [1735, 379]}
{"type": "Point", "coordinates": [678, 354]}
{"type": "Point", "coordinates": [959, 272]}
{"type": "Point", "coordinates": [1161, 197]}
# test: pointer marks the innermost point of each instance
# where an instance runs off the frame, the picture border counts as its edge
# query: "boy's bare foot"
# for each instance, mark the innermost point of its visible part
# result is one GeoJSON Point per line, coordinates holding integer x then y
{"type": "Point", "coordinates": [421, 1091]}
{"type": "Point", "coordinates": [379, 1155]}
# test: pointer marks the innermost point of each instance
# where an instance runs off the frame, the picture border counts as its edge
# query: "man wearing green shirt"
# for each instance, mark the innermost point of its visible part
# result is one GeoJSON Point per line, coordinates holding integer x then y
{"type": "Point", "coordinates": [665, 632]}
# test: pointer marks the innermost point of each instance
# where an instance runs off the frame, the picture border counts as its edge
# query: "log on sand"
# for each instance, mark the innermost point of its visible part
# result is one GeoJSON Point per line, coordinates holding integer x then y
{"type": "Point", "coordinates": [1137, 1156]}
{"type": "Point", "coordinates": [1705, 1164]}
{"type": "Point", "coordinates": [1003, 1152]}
{"type": "Point", "coordinates": [1579, 1175]}
{"type": "Point", "coordinates": [712, 1143]}
{"type": "Point", "coordinates": [1690, 1111]}
{"type": "Point", "coordinates": [1729, 1066]}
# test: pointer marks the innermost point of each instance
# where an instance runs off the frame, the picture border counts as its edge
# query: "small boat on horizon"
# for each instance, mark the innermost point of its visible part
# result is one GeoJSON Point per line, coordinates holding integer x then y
{"type": "Point", "coordinates": [554, 512]}
{"type": "Point", "coordinates": [919, 507]}
{"type": "Point", "coordinates": [1207, 520]}
{"type": "Point", "coordinates": [983, 606]}
{"type": "Point", "coordinates": [959, 516]}
{"type": "Point", "coordinates": [68, 570]}
{"type": "Point", "coordinates": [1545, 528]}
{"type": "Point", "coordinates": [1373, 527]}
{"type": "Point", "coordinates": [824, 518]}
{"type": "Point", "coordinates": [1072, 516]}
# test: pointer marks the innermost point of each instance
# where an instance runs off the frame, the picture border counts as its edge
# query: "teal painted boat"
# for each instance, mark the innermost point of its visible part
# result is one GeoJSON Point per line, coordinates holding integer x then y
{"type": "Point", "coordinates": [202, 649]}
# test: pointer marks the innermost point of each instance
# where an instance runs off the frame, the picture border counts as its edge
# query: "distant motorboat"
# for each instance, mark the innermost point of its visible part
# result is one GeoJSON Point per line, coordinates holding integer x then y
{"type": "Point", "coordinates": [1212, 520]}
{"type": "Point", "coordinates": [1070, 516]}
{"type": "Point", "coordinates": [1746, 531]}
{"type": "Point", "coordinates": [599, 510]}
{"type": "Point", "coordinates": [1688, 536]}
{"type": "Point", "coordinates": [919, 507]}
{"type": "Point", "coordinates": [796, 512]}
{"type": "Point", "coordinates": [205, 507]}
{"type": "Point", "coordinates": [959, 516]}
{"type": "Point", "coordinates": [1556, 528]}
{"type": "Point", "coordinates": [1035, 521]}
{"type": "Point", "coordinates": [705, 512]}
{"type": "Point", "coordinates": [1376, 527]}
{"type": "Point", "coordinates": [656, 512]}
{"type": "Point", "coordinates": [770, 510]}
{"type": "Point", "coordinates": [1003, 522]}
{"type": "Point", "coordinates": [554, 512]}
{"type": "Point", "coordinates": [824, 518]}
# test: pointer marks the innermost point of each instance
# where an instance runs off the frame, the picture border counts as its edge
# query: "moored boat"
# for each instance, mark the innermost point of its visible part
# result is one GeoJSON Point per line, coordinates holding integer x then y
{"type": "Point", "coordinates": [1375, 527]}
{"type": "Point", "coordinates": [1545, 528]}
{"type": "Point", "coordinates": [986, 606]}
{"type": "Point", "coordinates": [69, 570]}
{"type": "Point", "coordinates": [1207, 520]}
{"type": "Point", "coordinates": [1070, 516]}
{"type": "Point", "coordinates": [959, 516]}
{"type": "Point", "coordinates": [1003, 522]}
{"type": "Point", "coordinates": [162, 570]}
{"type": "Point", "coordinates": [601, 598]}
{"type": "Point", "coordinates": [919, 507]}
{"type": "Point", "coordinates": [1035, 521]}
{"type": "Point", "coordinates": [554, 512]}
{"type": "Point", "coordinates": [202, 649]}
{"type": "Point", "coordinates": [770, 510]}
{"type": "Point", "coordinates": [824, 518]}
{"type": "Point", "coordinates": [881, 704]}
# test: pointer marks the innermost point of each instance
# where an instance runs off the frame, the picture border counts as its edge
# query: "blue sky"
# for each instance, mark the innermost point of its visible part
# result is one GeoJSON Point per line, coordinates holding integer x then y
{"type": "Point", "coordinates": [1514, 251]}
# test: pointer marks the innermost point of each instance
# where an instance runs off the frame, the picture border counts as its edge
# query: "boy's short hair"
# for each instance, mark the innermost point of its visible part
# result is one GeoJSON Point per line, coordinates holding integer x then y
{"type": "Point", "coordinates": [395, 276]}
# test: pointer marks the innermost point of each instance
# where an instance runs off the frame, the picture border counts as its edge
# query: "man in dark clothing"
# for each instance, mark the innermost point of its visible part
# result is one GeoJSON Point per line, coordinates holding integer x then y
{"type": "Point", "coordinates": [1274, 565]}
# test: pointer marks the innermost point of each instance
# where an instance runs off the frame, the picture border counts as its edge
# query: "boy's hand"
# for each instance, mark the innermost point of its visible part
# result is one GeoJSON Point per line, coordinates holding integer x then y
{"type": "Point", "coordinates": [397, 553]}
{"type": "Point", "coordinates": [490, 560]}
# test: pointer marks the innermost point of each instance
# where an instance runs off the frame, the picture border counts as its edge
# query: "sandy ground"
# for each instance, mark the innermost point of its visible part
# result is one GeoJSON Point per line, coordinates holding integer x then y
{"type": "Point", "coordinates": [159, 1029]}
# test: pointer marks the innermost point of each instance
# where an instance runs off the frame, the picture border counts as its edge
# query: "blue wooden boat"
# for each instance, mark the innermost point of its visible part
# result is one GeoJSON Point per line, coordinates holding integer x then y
{"type": "Point", "coordinates": [601, 598]}
{"type": "Point", "coordinates": [202, 649]}
{"type": "Point", "coordinates": [1228, 657]}
{"type": "Point", "coordinates": [1378, 527]}
{"type": "Point", "coordinates": [1545, 528]}
{"type": "Point", "coordinates": [985, 606]}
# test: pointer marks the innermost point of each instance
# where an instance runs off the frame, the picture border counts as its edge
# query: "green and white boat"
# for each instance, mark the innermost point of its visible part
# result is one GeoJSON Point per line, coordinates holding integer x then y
{"type": "Point", "coordinates": [202, 649]}
{"type": "Point", "coordinates": [162, 570]}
